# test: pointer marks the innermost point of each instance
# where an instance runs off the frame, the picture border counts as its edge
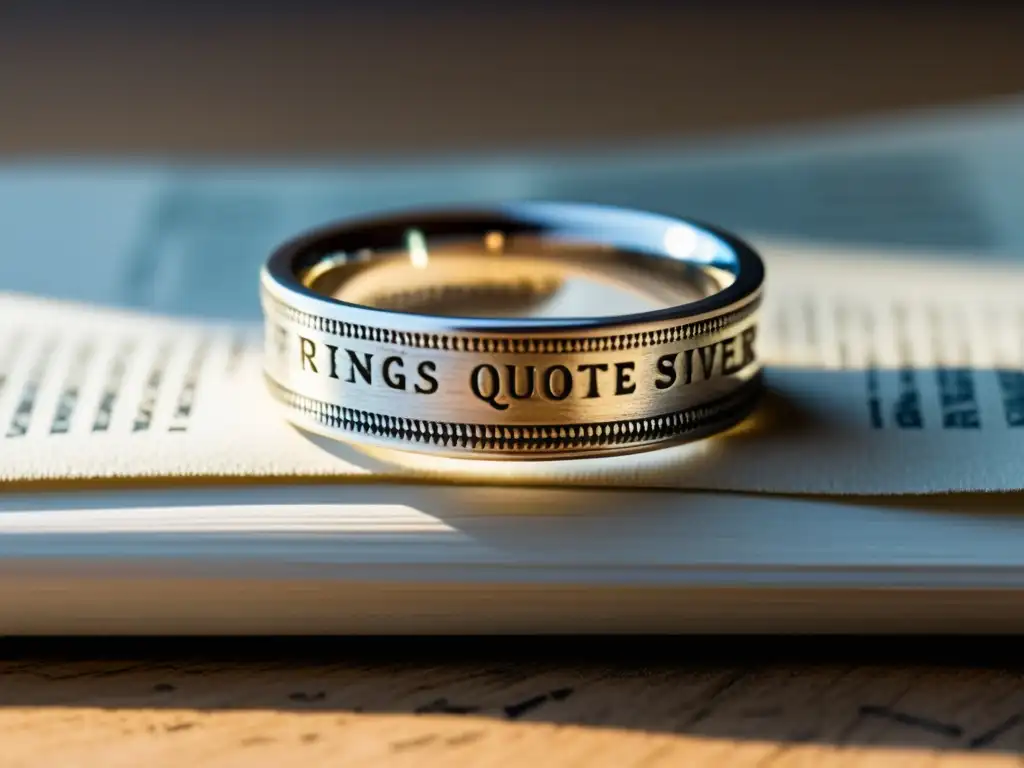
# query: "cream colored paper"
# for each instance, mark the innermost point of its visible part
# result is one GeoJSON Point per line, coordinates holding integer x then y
{"type": "Point", "coordinates": [886, 374]}
{"type": "Point", "coordinates": [188, 242]}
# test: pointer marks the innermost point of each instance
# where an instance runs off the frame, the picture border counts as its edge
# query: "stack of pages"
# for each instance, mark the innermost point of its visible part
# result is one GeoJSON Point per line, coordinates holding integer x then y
{"type": "Point", "coordinates": [150, 485]}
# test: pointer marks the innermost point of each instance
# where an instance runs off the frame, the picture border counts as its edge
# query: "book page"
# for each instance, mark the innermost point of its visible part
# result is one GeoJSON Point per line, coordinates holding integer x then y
{"type": "Point", "coordinates": [891, 327]}
{"type": "Point", "coordinates": [188, 240]}
{"type": "Point", "coordinates": [885, 375]}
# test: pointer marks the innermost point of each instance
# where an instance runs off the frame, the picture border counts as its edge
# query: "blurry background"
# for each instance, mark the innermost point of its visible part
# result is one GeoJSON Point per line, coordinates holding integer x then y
{"type": "Point", "coordinates": [156, 151]}
{"type": "Point", "coordinates": [308, 76]}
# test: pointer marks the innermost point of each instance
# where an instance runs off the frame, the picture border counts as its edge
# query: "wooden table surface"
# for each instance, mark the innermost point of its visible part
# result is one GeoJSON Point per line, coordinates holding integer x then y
{"type": "Point", "coordinates": [497, 702]}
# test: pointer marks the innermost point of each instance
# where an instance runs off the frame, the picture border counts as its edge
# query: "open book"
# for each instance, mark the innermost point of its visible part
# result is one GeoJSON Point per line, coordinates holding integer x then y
{"type": "Point", "coordinates": [886, 375]}
{"type": "Point", "coordinates": [152, 486]}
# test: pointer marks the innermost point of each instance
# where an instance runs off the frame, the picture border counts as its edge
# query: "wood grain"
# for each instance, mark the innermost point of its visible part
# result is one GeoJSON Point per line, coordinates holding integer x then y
{"type": "Point", "coordinates": [462, 702]}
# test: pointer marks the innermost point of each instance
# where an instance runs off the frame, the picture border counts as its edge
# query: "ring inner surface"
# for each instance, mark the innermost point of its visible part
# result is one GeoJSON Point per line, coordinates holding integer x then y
{"type": "Point", "coordinates": [503, 276]}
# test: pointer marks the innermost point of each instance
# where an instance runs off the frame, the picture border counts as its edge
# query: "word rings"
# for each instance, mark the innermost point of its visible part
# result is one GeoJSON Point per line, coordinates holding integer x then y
{"type": "Point", "coordinates": [352, 354]}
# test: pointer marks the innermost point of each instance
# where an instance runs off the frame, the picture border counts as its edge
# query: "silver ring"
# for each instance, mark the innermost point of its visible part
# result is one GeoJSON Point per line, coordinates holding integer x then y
{"type": "Point", "coordinates": [351, 355]}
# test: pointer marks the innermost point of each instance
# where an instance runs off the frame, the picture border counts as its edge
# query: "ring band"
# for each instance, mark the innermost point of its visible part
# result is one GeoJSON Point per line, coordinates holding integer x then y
{"type": "Point", "coordinates": [349, 356]}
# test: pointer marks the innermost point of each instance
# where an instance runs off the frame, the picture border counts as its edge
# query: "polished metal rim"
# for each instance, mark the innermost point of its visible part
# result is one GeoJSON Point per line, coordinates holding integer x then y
{"type": "Point", "coordinates": [512, 387]}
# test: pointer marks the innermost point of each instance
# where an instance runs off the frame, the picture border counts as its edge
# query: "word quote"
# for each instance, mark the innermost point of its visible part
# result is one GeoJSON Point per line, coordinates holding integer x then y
{"type": "Point", "coordinates": [501, 384]}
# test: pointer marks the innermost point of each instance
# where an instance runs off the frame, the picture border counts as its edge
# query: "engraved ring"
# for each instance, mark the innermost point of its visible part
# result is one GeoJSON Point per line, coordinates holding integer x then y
{"type": "Point", "coordinates": [353, 353]}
